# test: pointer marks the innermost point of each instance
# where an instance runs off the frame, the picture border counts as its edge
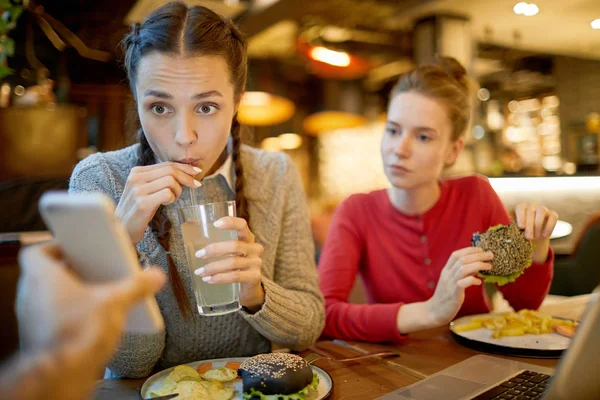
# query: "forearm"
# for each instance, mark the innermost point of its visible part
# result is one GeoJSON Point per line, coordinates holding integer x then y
{"type": "Point", "coordinates": [416, 317]}
{"type": "Point", "coordinates": [374, 323]}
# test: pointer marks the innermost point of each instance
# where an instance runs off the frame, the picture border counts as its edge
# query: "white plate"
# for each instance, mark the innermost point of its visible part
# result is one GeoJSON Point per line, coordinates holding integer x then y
{"type": "Point", "coordinates": [546, 345]}
{"type": "Point", "coordinates": [155, 381]}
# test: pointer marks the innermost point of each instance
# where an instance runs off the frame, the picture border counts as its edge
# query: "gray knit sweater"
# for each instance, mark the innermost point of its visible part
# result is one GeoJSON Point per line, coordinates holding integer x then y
{"type": "Point", "coordinates": [293, 313]}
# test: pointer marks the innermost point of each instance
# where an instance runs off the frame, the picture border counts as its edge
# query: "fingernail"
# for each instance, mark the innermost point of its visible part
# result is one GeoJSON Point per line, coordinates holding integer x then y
{"type": "Point", "coordinates": [198, 170]}
{"type": "Point", "coordinates": [199, 271]}
{"type": "Point", "coordinates": [207, 278]}
{"type": "Point", "coordinates": [218, 224]}
{"type": "Point", "coordinates": [197, 183]}
{"type": "Point", "coordinates": [200, 253]}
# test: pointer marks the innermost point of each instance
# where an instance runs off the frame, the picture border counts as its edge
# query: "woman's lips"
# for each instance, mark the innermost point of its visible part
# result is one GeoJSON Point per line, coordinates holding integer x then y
{"type": "Point", "coordinates": [399, 168]}
{"type": "Point", "coordinates": [190, 161]}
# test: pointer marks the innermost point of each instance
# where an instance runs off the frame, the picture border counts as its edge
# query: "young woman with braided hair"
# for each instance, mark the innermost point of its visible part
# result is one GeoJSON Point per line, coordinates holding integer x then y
{"type": "Point", "coordinates": [187, 68]}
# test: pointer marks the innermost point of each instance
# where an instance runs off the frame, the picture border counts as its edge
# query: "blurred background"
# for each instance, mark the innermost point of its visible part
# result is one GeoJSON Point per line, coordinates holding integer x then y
{"type": "Point", "coordinates": [320, 75]}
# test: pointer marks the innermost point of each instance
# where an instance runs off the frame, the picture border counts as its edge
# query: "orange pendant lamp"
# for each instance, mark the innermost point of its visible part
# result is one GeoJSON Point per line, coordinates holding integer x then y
{"type": "Point", "coordinates": [332, 64]}
{"type": "Point", "coordinates": [326, 121]}
{"type": "Point", "coordinates": [264, 109]}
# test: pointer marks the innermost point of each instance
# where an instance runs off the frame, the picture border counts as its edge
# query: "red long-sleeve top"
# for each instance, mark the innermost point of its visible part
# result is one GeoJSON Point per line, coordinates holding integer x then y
{"type": "Point", "coordinates": [400, 258]}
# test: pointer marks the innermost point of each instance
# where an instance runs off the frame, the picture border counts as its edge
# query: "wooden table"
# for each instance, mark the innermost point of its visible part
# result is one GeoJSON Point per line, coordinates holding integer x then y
{"type": "Point", "coordinates": [423, 354]}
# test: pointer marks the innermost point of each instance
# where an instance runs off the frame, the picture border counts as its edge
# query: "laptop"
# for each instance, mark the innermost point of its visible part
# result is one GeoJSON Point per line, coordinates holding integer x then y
{"type": "Point", "coordinates": [484, 377]}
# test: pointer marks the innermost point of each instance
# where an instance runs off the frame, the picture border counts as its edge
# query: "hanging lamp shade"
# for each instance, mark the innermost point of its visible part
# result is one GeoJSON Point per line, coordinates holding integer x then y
{"type": "Point", "coordinates": [332, 64]}
{"type": "Point", "coordinates": [326, 121]}
{"type": "Point", "coordinates": [264, 109]}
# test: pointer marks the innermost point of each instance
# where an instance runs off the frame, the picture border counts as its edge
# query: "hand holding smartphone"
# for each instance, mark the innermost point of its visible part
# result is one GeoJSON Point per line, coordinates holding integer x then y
{"type": "Point", "coordinates": [97, 247]}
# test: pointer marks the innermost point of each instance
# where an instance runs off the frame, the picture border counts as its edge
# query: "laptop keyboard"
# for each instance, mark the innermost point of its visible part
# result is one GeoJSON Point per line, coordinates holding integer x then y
{"type": "Point", "coordinates": [528, 385]}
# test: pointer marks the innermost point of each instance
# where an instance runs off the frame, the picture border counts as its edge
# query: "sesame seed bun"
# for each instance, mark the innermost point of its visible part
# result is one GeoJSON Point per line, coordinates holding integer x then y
{"type": "Point", "coordinates": [512, 252]}
{"type": "Point", "coordinates": [275, 374]}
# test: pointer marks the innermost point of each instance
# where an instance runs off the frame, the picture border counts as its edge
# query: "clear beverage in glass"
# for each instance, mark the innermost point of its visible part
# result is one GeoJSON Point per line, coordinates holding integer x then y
{"type": "Point", "coordinates": [198, 230]}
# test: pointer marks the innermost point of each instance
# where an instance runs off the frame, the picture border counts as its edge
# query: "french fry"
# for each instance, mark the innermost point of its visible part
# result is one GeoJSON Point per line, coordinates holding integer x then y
{"type": "Point", "coordinates": [490, 325]}
{"type": "Point", "coordinates": [517, 324]}
{"type": "Point", "coordinates": [557, 322]}
{"type": "Point", "coordinates": [468, 327]}
{"type": "Point", "coordinates": [545, 324]}
{"type": "Point", "coordinates": [513, 331]}
{"type": "Point", "coordinates": [533, 331]}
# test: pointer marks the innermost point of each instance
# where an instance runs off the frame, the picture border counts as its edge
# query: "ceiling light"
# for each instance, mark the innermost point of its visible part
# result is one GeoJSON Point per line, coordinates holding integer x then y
{"type": "Point", "coordinates": [527, 9]}
{"type": "Point", "coordinates": [520, 8]}
{"type": "Point", "coordinates": [256, 99]}
{"type": "Point", "coordinates": [335, 34]}
{"type": "Point", "coordinates": [478, 132]}
{"type": "Point", "coordinates": [483, 94]}
{"type": "Point", "coordinates": [595, 24]}
{"type": "Point", "coordinates": [550, 101]}
{"type": "Point", "coordinates": [337, 58]}
{"type": "Point", "coordinates": [326, 121]}
{"type": "Point", "coordinates": [290, 141]}
{"type": "Point", "coordinates": [531, 10]}
{"type": "Point", "coordinates": [264, 109]}
{"type": "Point", "coordinates": [271, 144]}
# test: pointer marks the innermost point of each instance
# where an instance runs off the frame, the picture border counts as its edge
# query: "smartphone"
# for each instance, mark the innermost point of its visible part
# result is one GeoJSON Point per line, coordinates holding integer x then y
{"type": "Point", "coordinates": [97, 247]}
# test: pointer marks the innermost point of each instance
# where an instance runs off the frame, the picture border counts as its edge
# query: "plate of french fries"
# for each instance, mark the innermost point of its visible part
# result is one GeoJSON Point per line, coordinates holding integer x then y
{"type": "Point", "coordinates": [527, 332]}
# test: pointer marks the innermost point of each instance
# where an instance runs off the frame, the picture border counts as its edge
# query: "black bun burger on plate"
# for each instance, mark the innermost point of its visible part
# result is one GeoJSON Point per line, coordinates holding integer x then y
{"type": "Point", "coordinates": [277, 376]}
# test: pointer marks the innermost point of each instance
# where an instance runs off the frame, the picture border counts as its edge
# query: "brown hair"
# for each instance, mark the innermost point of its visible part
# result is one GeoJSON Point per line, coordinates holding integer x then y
{"type": "Point", "coordinates": [179, 30]}
{"type": "Point", "coordinates": [446, 80]}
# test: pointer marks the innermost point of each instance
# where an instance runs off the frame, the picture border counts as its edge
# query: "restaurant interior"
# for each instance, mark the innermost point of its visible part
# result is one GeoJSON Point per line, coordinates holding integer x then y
{"type": "Point", "coordinates": [320, 74]}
